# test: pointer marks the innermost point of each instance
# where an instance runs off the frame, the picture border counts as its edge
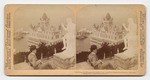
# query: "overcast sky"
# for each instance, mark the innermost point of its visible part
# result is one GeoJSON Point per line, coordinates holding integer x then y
{"type": "Point", "coordinates": [88, 16]}
{"type": "Point", "coordinates": [85, 16]}
{"type": "Point", "coordinates": [25, 16]}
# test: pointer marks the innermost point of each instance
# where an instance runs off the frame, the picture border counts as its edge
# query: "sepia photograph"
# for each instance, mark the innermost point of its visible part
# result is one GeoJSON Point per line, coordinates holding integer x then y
{"type": "Point", "coordinates": [44, 38]}
{"type": "Point", "coordinates": [75, 39]}
{"type": "Point", "coordinates": [107, 38]}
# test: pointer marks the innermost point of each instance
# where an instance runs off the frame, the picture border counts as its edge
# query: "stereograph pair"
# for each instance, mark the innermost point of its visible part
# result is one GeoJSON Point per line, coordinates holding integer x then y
{"type": "Point", "coordinates": [75, 39]}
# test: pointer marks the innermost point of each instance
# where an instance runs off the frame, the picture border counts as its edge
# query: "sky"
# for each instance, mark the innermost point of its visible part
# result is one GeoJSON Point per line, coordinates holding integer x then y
{"type": "Point", "coordinates": [27, 15]}
{"type": "Point", "coordinates": [90, 15]}
{"type": "Point", "coordinates": [85, 16]}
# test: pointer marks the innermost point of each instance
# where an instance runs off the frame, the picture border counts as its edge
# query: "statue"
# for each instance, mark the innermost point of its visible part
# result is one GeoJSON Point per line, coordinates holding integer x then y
{"type": "Point", "coordinates": [69, 37]}
{"type": "Point", "coordinates": [126, 36]}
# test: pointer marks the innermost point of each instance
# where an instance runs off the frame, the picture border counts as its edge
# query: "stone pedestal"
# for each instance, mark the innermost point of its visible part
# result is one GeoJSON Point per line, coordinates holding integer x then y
{"type": "Point", "coordinates": [64, 60]}
{"type": "Point", "coordinates": [125, 60]}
